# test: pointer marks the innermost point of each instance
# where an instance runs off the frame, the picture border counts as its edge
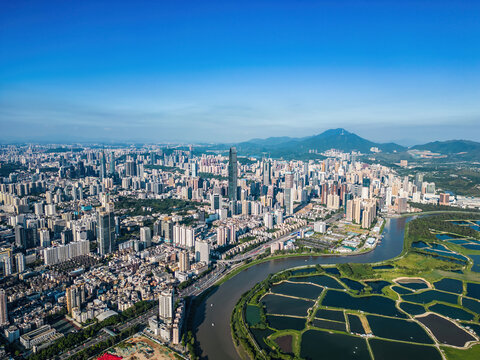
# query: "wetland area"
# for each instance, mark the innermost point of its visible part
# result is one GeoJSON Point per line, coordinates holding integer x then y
{"type": "Point", "coordinates": [422, 304]}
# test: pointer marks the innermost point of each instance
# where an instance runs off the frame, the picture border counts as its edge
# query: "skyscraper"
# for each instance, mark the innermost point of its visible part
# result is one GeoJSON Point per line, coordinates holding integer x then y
{"type": "Point", "coordinates": [288, 201]}
{"type": "Point", "coordinates": [106, 232]}
{"type": "Point", "coordinates": [232, 174]}
{"type": "Point", "coordinates": [202, 251]}
{"type": "Point", "coordinates": [103, 169]}
{"type": "Point", "coordinates": [7, 266]}
{"type": "Point", "coordinates": [165, 305]}
{"type": "Point", "coordinates": [146, 236]}
{"type": "Point", "coordinates": [20, 236]}
{"type": "Point", "coordinates": [3, 307]}
{"type": "Point", "coordinates": [20, 262]}
{"type": "Point", "coordinates": [266, 173]}
{"type": "Point", "coordinates": [112, 163]}
{"type": "Point", "coordinates": [184, 261]}
{"type": "Point", "coordinates": [75, 295]}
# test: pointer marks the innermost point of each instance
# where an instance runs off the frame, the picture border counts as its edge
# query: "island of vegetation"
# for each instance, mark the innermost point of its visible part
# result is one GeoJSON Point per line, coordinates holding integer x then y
{"type": "Point", "coordinates": [423, 304]}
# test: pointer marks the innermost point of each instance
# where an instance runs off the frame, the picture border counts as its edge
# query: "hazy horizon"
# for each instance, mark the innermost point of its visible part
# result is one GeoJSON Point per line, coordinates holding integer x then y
{"type": "Point", "coordinates": [221, 71]}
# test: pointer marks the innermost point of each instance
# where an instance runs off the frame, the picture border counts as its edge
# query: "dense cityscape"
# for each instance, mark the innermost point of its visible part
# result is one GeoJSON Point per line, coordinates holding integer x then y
{"type": "Point", "coordinates": [88, 233]}
{"type": "Point", "coordinates": [239, 180]}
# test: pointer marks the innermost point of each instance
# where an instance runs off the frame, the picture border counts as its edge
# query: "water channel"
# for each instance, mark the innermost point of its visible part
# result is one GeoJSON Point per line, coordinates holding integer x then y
{"type": "Point", "coordinates": [212, 316]}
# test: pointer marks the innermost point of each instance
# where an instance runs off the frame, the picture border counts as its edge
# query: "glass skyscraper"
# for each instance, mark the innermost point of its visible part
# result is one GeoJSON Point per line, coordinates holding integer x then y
{"type": "Point", "coordinates": [232, 174]}
{"type": "Point", "coordinates": [106, 232]}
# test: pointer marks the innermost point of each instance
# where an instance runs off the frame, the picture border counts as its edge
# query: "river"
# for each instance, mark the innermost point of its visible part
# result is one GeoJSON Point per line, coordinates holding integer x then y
{"type": "Point", "coordinates": [216, 341]}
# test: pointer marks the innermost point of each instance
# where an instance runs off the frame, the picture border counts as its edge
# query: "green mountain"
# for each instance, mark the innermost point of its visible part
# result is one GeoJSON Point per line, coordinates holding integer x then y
{"type": "Point", "coordinates": [450, 147]}
{"type": "Point", "coordinates": [339, 139]}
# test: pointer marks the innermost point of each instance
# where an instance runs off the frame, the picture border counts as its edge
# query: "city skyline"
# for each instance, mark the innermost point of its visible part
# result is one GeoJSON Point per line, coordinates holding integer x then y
{"type": "Point", "coordinates": [226, 72]}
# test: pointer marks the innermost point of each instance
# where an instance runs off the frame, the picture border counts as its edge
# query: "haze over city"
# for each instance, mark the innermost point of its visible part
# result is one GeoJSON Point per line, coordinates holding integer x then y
{"type": "Point", "coordinates": [223, 71]}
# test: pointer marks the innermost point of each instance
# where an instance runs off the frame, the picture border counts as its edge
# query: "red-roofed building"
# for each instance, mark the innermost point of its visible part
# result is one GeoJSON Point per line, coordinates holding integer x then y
{"type": "Point", "coordinates": [108, 356]}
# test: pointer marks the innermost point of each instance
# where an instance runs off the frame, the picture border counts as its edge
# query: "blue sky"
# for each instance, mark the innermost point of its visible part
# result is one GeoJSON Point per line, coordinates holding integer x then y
{"type": "Point", "coordinates": [169, 71]}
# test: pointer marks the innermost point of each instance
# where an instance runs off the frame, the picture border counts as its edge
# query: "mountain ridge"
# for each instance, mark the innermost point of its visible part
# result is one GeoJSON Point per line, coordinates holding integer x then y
{"type": "Point", "coordinates": [344, 140]}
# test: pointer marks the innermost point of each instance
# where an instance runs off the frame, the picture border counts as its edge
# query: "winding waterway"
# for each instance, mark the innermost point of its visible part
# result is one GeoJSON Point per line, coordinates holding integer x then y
{"type": "Point", "coordinates": [215, 340]}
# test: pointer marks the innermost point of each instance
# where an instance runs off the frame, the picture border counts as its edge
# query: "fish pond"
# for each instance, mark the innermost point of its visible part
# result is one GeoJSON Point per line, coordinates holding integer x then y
{"type": "Point", "coordinates": [299, 290]}
{"type": "Point", "coordinates": [412, 309]}
{"type": "Point", "coordinates": [275, 304]}
{"type": "Point", "coordinates": [428, 296]}
{"type": "Point", "coordinates": [413, 284]}
{"type": "Point", "coordinates": [322, 280]}
{"type": "Point", "coordinates": [445, 331]}
{"type": "Point", "coordinates": [450, 285]}
{"type": "Point", "coordinates": [396, 329]}
{"type": "Point", "coordinates": [377, 286]}
{"type": "Point", "coordinates": [373, 304]}
{"type": "Point", "coordinates": [451, 312]}
{"type": "Point", "coordinates": [286, 322]}
{"type": "Point", "coordinates": [334, 315]}
{"type": "Point", "coordinates": [356, 326]}
{"type": "Point", "coordinates": [393, 350]}
{"type": "Point", "coordinates": [318, 344]}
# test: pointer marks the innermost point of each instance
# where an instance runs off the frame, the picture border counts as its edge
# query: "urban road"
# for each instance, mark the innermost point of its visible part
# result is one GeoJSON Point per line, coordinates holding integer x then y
{"type": "Point", "coordinates": [193, 290]}
{"type": "Point", "coordinates": [104, 336]}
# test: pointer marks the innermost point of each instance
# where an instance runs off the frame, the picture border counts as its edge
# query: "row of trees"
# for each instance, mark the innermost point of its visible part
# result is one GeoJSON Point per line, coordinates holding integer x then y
{"type": "Point", "coordinates": [75, 339]}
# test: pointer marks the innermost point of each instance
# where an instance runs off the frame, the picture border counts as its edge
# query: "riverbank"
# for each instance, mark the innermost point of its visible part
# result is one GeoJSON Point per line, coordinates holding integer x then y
{"type": "Point", "coordinates": [217, 306]}
{"type": "Point", "coordinates": [460, 342]}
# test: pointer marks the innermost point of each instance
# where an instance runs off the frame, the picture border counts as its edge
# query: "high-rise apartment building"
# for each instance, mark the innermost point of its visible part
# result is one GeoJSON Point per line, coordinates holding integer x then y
{"type": "Point", "coordinates": [20, 262]}
{"type": "Point", "coordinates": [146, 236]}
{"type": "Point", "coordinates": [165, 305]}
{"type": "Point", "coordinates": [202, 251]}
{"type": "Point", "coordinates": [183, 261]}
{"type": "Point", "coordinates": [3, 307]}
{"type": "Point", "coordinates": [75, 295]}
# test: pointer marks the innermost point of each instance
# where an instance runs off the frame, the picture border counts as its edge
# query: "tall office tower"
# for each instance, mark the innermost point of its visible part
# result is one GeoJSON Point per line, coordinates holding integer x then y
{"type": "Point", "coordinates": [153, 158]}
{"type": "Point", "coordinates": [289, 180]}
{"type": "Point", "coordinates": [112, 163]}
{"type": "Point", "coordinates": [202, 251]}
{"type": "Point", "coordinates": [103, 170]}
{"type": "Point", "coordinates": [232, 174]}
{"type": "Point", "coordinates": [215, 201]}
{"type": "Point", "coordinates": [165, 305]}
{"type": "Point", "coordinates": [106, 232]}
{"type": "Point", "coordinates": [75, 295]}
{"type": "Point", "coordinates": [419, 180]}
{"type": "Point", "coordinates": [288, 200]}
{"type": "Point", "coordinates": [146, 236]}
{"type": "Point", "coordinates": [130, 168]}
{"type": "Point", "coordinates": [184, 261]}
{"type": "Point", "coordinates": [20, 262]}
{"type": "Point", "coordinates": [3, 308]}
{"type": "Point", "coordinates": [266, 173]}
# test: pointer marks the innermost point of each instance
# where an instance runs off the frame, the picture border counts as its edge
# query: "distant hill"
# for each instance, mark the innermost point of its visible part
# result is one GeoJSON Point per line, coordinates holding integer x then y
{"type": "Point", "coordinates": [450, 146]}
{"type": "Point", "coordinates": [340, 139]}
